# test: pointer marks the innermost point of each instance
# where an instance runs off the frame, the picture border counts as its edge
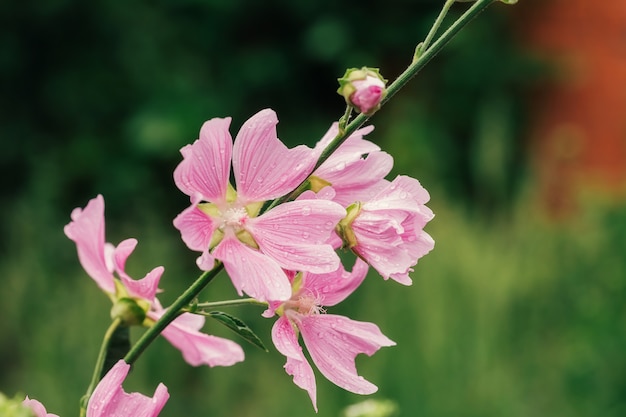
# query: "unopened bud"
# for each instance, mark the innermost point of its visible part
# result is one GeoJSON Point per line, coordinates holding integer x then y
{"type": "Point", "coordinates": [128, 311]}
{"type": "Point", "coordinates": [363, 89]}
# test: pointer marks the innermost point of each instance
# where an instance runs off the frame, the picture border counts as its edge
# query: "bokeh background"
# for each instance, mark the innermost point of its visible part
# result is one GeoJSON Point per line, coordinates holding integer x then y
{"type": "Point", "coordinates": [517, 130]}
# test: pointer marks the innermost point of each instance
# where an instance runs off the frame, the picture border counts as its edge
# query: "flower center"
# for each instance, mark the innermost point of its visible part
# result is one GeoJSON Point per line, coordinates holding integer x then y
{"type": "Point", "coordinates": [304, 304]}
{"type": "Point", "coordinates": [235, 218]}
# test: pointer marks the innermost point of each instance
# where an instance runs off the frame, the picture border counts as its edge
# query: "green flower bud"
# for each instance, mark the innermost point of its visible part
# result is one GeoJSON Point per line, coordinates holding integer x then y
{"type": "Point", "coordinates": [128, 311]}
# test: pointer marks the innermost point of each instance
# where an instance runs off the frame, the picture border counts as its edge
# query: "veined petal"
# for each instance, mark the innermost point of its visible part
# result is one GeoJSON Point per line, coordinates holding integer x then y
{"type": "Point", "coordinates": [205, 167]}
{"type": "Point", "coordinates": [145, 288]}
{"type": "Point", "coordinates": [334, 287]}
{"type": "Point", "coordinates": [87, 230]}
{"type": "Point", "coordinates": [383, 250]}
{"type": "Point", "coordinates": [199, 348]}
{"type": "Point", "coordinates": [251, 271]}
{"type": "Point", "coordinates": [286, 341]}
{"type": "Point", "coordinates": [196, 229]}
{"type": "Point", "coordinates": [264, 167]}
{"type": "Point", "coordinates": [355, 144]}
{"type": "Point", "coordinates": [110, 400]}
{"type": "Point", "coordinates": [295, 234]}
{"type": "Point", "coordinates": [334, 341]}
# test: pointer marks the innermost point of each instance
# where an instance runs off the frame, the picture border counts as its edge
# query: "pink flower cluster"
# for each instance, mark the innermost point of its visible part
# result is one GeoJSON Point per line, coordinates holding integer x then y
{"type": "Point", "coordinates": [286, 255]}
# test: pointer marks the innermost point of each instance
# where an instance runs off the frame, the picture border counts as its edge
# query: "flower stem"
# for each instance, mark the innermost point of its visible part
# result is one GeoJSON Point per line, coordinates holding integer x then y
{"type": "Point", "coordinates": [433, 30]}
{"type": "Point", "coordinates": [423, 56]}
{"type": "Point", "coordinates": [230, 303]}
{"type": "Point", "coordinates": [97, 372]}
{"type": "Point", "coordinates": [172, 312]}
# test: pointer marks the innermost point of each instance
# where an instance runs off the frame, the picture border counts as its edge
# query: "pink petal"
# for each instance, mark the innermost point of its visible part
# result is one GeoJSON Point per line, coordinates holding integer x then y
{"type": "Point", "coordinates": [264, 167]}
{"type": "Point", "coordinates": [38, 408]}
{"type": "Point", "coordinates": [354, 144]}
{"type": "Point", "coordinates": [380, 244]}
{"type": "Point", "coordinates": [200, 348]}
{"type": "Point", "coordinates": [334, 341]}
{"type": "Point", "coordinates": [121, 254]}
{"type": "Point", "coordinates": [205, 167]}
{"type": "Point", "coordinates": [146, 287]}
{"type": "Point", "coordinates": [196, 229]}
{"type": "Point", "coordinates": [295, 234]}
{"type": "Point", "coordinates": [334, 287]}
{"type": "Point", "coordinates": [286, 341]}
{"type": "Point", "coordinates": [251, 271]}
{"type": "Point", "coordinates": [87, 230]}
{"type": "Point", "coordinates": [110, 400]}
{"type": "Point", "coordinates": [359, 176]}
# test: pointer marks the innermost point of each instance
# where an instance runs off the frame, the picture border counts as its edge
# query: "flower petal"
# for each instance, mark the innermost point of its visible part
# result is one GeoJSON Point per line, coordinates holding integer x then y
{"type": "Point", "coordinates": [196, 229]}
{"type": "Point", "coordinates": [145, 288]}
{"type": "Point", "coordinates": [87, 230]}
{"type": "Point", "coordinates": [295, 234]}
{"type": "Point", "coordinates": [205, 167]}
{"type": "Point", "coordinates": [38, 408]}
{"type": "Point", "coordinates": [110, 400]}
{"type": "Point", "coordinates": [334, 341]}
{"type": "Point", "coordinates": [121, 253]}
{"type": "Point", "coordinates": [199, 348]}
{"type": "Point", "coordinates": [286, 341]}
{"type": "Point", "coordinates": [334, 287]}
{"type": "Point", "coordinates": [251, 271]}
{"type": "Point", "coordinates": [264, 167]}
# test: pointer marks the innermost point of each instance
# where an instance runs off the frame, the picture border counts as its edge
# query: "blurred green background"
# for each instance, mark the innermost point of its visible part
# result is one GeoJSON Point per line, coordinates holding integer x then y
{"type": "Point", "coordinates": [513, 314]}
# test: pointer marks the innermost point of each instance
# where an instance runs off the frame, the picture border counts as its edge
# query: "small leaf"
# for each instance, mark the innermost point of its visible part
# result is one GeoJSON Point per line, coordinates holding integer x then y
{"type": "Point", "coordinates": [119, 346]}
{"type": "Point", "coordinates": [238, 327]}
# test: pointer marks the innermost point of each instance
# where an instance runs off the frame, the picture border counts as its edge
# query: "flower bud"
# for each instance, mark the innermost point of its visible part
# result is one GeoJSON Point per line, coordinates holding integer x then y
{"type": "Point", "coordinates": [363, 89]}
{"type": "Point", "coordinates": [128, 311]}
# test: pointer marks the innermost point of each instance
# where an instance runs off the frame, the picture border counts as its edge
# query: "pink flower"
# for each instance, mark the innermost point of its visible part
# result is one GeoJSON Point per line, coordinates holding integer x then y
{"type": "Point", "coordinates": [103, 261]}
{"type": "Point", "coordinates": [225, 224]}
{"type": "Point", "coordinates": [348, 170]}
{"type": "Point", "coordinates": [38, 408]}
{"type": "Point", "coordinates": [332, 341]}
{"type": "Point", "coordinates": [110, 400]}
{"type": "Point", "coordinates": [387, 231]}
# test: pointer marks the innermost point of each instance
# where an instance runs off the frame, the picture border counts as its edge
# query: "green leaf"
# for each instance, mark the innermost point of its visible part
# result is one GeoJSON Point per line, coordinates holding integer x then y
{"type": "Point", "coordinates": [238, 327]}
{"type": "Point", "coordinates": [119, 346]}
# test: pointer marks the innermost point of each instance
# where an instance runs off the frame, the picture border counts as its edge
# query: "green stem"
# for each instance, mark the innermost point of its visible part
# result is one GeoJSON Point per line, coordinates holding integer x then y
{"type": "Point", "coordinates": [230, 303]}
{"type": "Point", "coordinates": [433, 30]}
{"type": "Point", "coordinates": [97, 372]}
{"type": "Point", "coordinates": [172, 312]}
{"type": "Point", "coordinates": [426, 54]}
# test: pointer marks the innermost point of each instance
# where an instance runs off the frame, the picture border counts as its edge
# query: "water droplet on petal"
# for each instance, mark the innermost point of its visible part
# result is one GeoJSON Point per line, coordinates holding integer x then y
{"type": "Point", "coordinates": [305, 235]}
{"type": "Point", "coordinates": [306, 210]}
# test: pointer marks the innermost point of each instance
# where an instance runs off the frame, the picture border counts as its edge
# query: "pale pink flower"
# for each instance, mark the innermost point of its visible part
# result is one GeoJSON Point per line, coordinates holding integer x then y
{"type": "Point", "coordinates": [110, 400]}
{"type": "Point", "coordinates": [225, 224]}
{"type": "Point", "coordinates": [332, 341]}
{"type": "Point", "coordinates": [387, 230]}
{"type": "Point", "coordinates": [354, 167]}
{"type": "Point", "coordinates": [103, 261]}
{"type": "Point", "coordinates": [38, 408]}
